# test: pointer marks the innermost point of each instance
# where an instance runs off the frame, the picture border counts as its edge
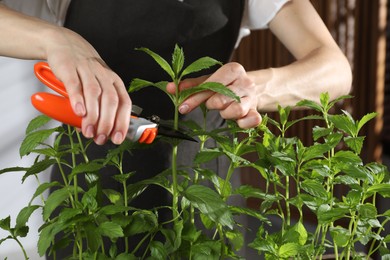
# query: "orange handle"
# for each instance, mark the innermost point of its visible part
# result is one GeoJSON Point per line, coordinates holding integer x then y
{"type": "Point", "coordinates": [44, 73]}
{"type": "Point", "coordinates": [56, 107]}
{"type": "Point", "coordinates": [148, 136]}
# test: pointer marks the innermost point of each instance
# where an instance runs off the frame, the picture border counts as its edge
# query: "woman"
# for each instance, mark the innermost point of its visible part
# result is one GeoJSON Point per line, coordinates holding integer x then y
{"type": "Point", "coordinates": [94, 55]}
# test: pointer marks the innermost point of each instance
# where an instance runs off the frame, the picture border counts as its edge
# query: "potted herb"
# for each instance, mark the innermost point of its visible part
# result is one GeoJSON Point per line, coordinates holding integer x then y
{"type": "Point", "coordinates": [203, 223]}
{"type": "Point", "coordinates": [300, 177]}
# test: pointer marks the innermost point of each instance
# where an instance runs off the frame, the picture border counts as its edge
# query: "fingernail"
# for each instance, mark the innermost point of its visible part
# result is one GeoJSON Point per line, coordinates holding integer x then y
{"type": "Point", "coordinates": [79, 109]}
{"type": "Point", "coordinates": [89, 131]}
{"type": "Point", "coordinates": [118, 138]}
{"type": "Point", "coordinates": [184, 109]}
{"type": "Point", "coordinates": [101, 139]}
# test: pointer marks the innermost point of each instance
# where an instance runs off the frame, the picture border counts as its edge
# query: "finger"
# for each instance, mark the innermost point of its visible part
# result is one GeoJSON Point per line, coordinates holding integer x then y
{"type": "Point", "coordinates": [225, 75]}
{"type": "Point", "coordinates": [73, 86]}
{"type": "Point", "coordinates": [109, 103]}
{"type": "Point", "coordinates": [92, 92]}
{"type": "Point", "coordinates": [252, 119]}
{"type": "Point", "coordinates": [185, 84]}
{"type": "Point", "coordinates": [122, 119]}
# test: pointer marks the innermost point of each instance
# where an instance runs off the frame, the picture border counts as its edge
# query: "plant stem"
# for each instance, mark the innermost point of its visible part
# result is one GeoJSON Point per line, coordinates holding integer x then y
{"type": "Point", "coordinates": [125, 199]}
{"type": "Point", "coordinates": [175, 193]}
{"type": "Point", "coordinates": [21, 247]}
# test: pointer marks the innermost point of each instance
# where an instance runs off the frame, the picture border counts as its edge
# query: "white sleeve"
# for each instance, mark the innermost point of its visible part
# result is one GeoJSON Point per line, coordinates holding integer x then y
{"type": "Point", "coordinates": [53, 11]}
{"type": "Point", "coordinates": [258, 14]}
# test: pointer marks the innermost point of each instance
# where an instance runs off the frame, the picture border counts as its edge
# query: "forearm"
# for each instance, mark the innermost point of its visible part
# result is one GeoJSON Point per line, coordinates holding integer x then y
{"type": "Point", "coordinates": [323, 70]}
{"type": "Point", "coordinates": [23, 36]}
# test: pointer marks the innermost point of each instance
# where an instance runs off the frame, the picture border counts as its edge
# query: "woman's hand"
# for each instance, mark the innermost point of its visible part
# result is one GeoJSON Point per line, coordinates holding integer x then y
{"type": "Point", "coordinates": [234, 77]}
{"type": "Point", "coordinates": [95, 91]}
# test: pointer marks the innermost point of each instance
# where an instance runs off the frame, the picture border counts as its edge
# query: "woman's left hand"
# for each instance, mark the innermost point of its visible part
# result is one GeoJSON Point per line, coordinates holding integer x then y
{"type": "Point", "coordinates": [234, 77]}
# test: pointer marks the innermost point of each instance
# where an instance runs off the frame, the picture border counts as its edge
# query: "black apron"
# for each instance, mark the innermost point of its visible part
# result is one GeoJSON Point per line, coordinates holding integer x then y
{"type": "Point", "coordinates": [117, 27]}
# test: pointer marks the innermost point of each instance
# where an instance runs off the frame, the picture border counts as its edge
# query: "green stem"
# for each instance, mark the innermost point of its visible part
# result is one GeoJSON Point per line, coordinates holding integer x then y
{"type": "Point", "coordinates": [79, 239]}
{"type": "Point", "coordinates": [22, 248]}
{"type": "Point", "coordinates": [380, 229]}
{"type": "Point", "coordinates": [175, 193]}
{"type": "Point", "coordinates": [140, 243]}
{"type": "Point", "coordinates": [287, 201]}
{"type": "Point", "coordinates": [125, 198]}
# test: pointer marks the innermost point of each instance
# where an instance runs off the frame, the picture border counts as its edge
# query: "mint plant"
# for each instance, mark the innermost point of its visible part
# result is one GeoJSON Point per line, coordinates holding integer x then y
{"type": "Point", "coordinates": [343, 222]}
{"type": "Point", "coordinates": [202, 225]}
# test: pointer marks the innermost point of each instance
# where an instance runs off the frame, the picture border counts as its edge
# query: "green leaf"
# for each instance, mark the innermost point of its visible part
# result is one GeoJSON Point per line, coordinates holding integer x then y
{"type": "Point", "coordinates": [13, 169]}
{"type": "Point", "coordinates": [355, 143]}
{"type": "Point", "coordinates": [340, 236]}
{"type": "Point", "coordinates": [110, 229]}
{"type": "Point", "coordinates": [69, 213]}
{"type": "Point", "coordinates": [288, 250]}
{"type": "Point", "coordinates": [326, 214]}
{"type": "Point", "coordinates": [324, 100]}
{"type": "Point", "coordinates": [252, 192]}
{"type": "Point", "coordinates": [344, 123]}
{"type": "Point", "coordinates": [346, 157]}
{"type": "Point", "coordinates": [249, 212]}
{"type": "Point", "coordinates": [5, 223]}
{"type": "Point", "coordinates": [55, 199]}
{"type": "Point", "coordinates": [355, 171]}
{"type": "Point", "coordinates": [314, 188]}
{"type": "Point", "coordinates": [141, 221]}
{"type": "Point", "coordinates": [315, 151]}
{"type": "Point", "coordinates": [367, 211]}
{"type": "Point", "coordinates": [236, 239]}
{"type": "Point", "coordinates": [21, 231]}
{"type": "Point", "coordinates": [301, 230]}
{"type": "Point", "coordinates": [331, 104]}
{"type": "Point", "coordinates": [213, 86]}
{"type": "Point", "coordinates": [93, 236]}
{"type": "Point", "coordinates": [114, 196]}
{"type": "Point", "coordinates": [34, 139]}
{"type": "Point", "coordinates": [200, 64]}
{"type": "Point", "coordinates": [177, 60]}
{"type": "Point", "coordinates": [209, 203]}
{"type": "Point", "coordinates": [365, 119]}
{"type": "Point", "coordinates": [310, 104]}
{"type": "Point", "coordinates": [90, 167]}
{"type": "Point", "coordinates": [206, 250]}
{"type": "Point", "coordinates": [207, 155]}
{"type": "Point", "coordinates": [126, 256]}
{"type": "Point", "coordinates": [45, 239]}
{"type": "Point", "coordinates": [24, 215]}
{"type": "Point", "coordinates": [160, 61]}
{"type": "Point", "coordinates": [122, 178]}
{"type": "Point", "coordinates": [137, 84]}
{"type": "Point", "coordinates": [173, 237]}
{"type": "Point", "coordinates": [319, 132]}
{"type": "Point", "coordinates": [37, 122]}
{"type": "Point", "coordinates": [38, 167]}
{"type": "Point", "coordinates": [113, 209]}
{"type": "Point", "coordinates": [382, 188]}
{"type": "Point", "coordinates": [283, 114]}
{"type": "Point", "coordinates": [158, 251]}
{"type": "Point", "coordinates": [5, 239]}
{"type": "Point", "coordinates": [43, 187]}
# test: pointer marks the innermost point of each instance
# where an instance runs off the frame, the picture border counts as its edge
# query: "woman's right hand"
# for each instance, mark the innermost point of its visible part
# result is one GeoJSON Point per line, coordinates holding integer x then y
{"type": "Point", "coordinates": [95, 91]}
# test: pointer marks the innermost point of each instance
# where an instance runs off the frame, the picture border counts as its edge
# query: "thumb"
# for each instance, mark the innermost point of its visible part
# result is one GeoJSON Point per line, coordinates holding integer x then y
{"type": "Point", "coordinates": [251, 119]}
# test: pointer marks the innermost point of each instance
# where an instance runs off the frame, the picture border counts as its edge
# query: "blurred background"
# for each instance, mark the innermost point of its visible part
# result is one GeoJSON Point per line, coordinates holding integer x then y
{"type": "Point", "coordinates": [359, 27]}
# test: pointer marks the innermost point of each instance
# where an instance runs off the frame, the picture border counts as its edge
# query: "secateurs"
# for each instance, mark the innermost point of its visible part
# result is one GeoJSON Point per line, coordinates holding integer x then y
{"type": "Point", "coordinates": [143, 130]}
